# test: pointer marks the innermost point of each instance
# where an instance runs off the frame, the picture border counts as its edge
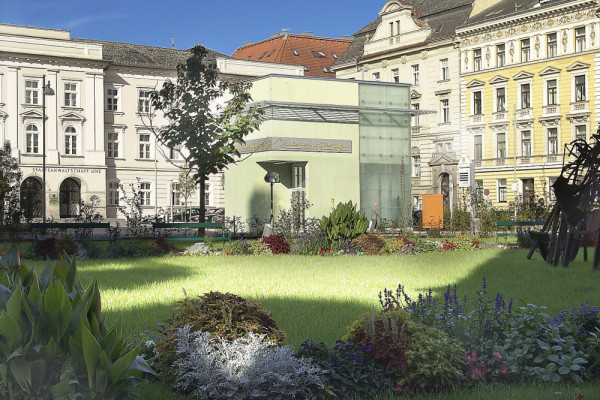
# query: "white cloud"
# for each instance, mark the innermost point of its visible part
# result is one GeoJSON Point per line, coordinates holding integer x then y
{"type": "Point", "coordinates": [92, 19]}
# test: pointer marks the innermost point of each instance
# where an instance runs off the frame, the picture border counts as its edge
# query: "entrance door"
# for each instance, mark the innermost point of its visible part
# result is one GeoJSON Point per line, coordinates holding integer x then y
{"type": "Point", "coordinates": [445, 189]}
{"type": "Point", "coordinates": [31, 198]}
{"type": "Point", "coordinates": [70, 197]}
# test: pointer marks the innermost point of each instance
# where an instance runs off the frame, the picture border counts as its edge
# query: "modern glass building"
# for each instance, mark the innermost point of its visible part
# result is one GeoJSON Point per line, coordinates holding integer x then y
{"type": "Point", "coordinates": [330, 141]}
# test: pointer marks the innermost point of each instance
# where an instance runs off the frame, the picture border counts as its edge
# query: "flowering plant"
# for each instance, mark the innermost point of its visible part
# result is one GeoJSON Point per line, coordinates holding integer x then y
{"type": "Point", "coordinates": [446, 245]}
{"type": "Point", "coordinates": [325, 252]}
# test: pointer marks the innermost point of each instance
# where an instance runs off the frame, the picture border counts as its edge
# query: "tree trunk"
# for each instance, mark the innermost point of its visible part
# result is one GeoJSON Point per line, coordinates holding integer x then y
{"type": "Point", "coordinates": [202, 214]}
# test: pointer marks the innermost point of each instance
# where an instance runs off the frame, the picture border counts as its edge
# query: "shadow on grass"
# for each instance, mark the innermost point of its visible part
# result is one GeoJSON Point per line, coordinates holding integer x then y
{"type": "Point", "coordinates": [533, 281]}
{"type": "Point", "coordinates": [318, 320]}
{"type": "Point", "coordinates": [122, 274]}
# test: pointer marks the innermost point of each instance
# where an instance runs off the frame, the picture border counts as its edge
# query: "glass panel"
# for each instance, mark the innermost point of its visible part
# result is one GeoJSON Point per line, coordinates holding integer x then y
{"type": "Point", "coordinates": [385, 151]}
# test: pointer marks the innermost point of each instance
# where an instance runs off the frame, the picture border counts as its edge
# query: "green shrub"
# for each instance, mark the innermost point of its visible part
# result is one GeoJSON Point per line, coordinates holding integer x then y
{"type": "Point", "coordinates": [53, 340]}
{"type": "Point", "coordinates": [130, 248]}
{"type": "Point", "coordinates": [535, 349]}
{"type": "Point", "coordinates": [369, 244]}
{"type": "Point", "coordinates": [46, 249]}
{"type": "Point", "coordinates": [402, 246]}
{"type": "Point", "coordinates": [417, 357]}
{"type": "Point", "coordinates": [65, 245]}
{"type": "Point", "coordinates": [236, 247]}
{"type": "Point", "coordinates": [223, 315]}
{"type": "Point", "coordinates": [345, 223]}
{"type": "Point", "coordinates": [309, 243]}
{"type": "Point", "coordinates": [464, 242]}
{"type": "Point", "coordinates": [259, 248]}
{"type": "Point", "coordinates": [349, 370]}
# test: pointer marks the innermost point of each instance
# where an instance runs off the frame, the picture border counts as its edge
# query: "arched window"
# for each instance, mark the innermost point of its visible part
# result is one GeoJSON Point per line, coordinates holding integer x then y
{"type": "Point", "coordinates": [70, 198]}
{"type": "Point", "coordinates": [70, 140]}
{"type": "Point", "coordinates": [31, 198]}
{"type": "Point", "coordinates": [32, 139]}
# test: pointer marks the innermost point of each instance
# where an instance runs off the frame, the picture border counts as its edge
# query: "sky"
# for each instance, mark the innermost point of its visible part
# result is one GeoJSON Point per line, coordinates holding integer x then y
{"type": "Point", "coordinates": [219, 25]}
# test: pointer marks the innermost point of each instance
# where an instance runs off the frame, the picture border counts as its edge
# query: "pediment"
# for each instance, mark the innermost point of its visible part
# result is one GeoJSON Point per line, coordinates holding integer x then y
{"type": "Point", "coordinates": [578, 65]}
{"type": "Point", "coordinates": [442, 159]}
{"type": "Point", "coordinates": [415, 95]}
{"type": "Point", "coordinates": [31, 114]}
{"type": "Point", "coordinates": [475, 83]}
{"type": "Point", "coordinates": [71, 116]}
{"type": "Point", "coordinates": [498, 79]}
{"type": "Point", "coordinates": [442, 92]}
{"type": "Point", "coordinates": [393, 6]}
{"type": "Point", "coordinates": [3, 115]}
{"type": "Point", "coordinates": [549, 71]}
{"type": "Point", "coordinates": [523, 75]}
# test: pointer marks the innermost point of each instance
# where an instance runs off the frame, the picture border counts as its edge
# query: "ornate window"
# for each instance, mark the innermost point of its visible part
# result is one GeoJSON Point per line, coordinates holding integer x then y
{"type": "Point", "coordinates": [32, 139]}
{"type": "Point", "coordinates": [70, 140]}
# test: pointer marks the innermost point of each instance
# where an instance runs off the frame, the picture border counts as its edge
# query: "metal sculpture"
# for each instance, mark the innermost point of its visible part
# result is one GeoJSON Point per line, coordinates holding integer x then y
{"type": "Point", "coordinates": [576, 213]}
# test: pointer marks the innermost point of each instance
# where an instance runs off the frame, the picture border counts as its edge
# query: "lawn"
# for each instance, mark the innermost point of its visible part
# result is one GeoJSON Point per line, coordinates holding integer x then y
{"type": "Point", "coordinates": [317, 298]}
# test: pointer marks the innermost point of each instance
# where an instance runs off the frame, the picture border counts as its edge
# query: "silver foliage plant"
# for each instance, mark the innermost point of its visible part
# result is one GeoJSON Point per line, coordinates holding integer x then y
{"type": "Point", "coordinates": [248, 368]}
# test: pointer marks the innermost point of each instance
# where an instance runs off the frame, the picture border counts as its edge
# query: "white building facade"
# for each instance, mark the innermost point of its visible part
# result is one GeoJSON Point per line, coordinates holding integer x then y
{"type": "Point", "coordinates": [98, 132]}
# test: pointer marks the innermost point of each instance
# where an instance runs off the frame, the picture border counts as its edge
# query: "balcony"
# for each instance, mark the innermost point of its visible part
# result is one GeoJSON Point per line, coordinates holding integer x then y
{"type": "Point", "coordinates": [552, 158]}
{"type": "Point", "coordinates": [415, 130]}
{"type": "Point", "coordinates": [552, 110]}
{"type": "Point", "coordinates": [500, 116]}
{"type": "Point", "coordinates": [476, 119]}
{"type": "Point", "coordinates": [500, 161]}
{"type": "Point", "coordinates": [524, 113]}
{"type": "Point", "coordinates": [579, 107]}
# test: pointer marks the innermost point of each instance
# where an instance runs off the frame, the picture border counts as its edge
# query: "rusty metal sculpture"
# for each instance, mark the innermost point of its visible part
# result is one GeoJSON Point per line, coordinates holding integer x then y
{"type": "Point", "coordinates": [576, 213]}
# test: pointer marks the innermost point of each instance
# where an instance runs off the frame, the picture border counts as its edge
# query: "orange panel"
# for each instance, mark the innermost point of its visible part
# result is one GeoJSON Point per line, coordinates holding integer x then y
{"type": "Point", "coordinates": [433, 210]}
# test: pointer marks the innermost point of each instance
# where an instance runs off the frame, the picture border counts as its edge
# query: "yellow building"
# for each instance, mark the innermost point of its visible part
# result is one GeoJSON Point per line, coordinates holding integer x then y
{"type": "Point", "coordinates": [528, 88]}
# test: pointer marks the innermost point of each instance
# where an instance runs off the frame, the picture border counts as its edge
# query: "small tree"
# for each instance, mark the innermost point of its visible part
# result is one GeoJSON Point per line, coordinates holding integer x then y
{"type": "Point", "coordinates": [10, 181]}
{"type": "Point", "coordinates": [206, 131]}
{"type": "Point", "coordinates": [186, 186]}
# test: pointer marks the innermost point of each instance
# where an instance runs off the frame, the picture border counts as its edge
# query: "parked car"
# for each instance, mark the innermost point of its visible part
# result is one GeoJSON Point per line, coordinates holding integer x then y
{"type": "Point", "coordinates": [213, 214]}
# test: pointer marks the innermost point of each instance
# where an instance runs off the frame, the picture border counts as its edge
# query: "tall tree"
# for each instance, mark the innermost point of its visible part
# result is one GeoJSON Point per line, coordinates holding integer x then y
{"type": "Point", "coordinates": [186, 187]}
{"type": "Point", "coordinates": [205, 129]}
{"type": "Point", "coordinates": [10, 181]}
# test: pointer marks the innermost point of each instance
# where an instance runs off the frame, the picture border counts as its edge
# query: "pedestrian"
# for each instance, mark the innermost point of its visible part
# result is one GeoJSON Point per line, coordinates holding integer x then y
{"type": "Point", "coordinates": [374, 216]}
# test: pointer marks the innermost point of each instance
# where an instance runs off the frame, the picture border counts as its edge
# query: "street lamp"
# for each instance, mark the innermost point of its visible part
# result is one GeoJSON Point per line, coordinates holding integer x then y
{"type": "Point", "coordinates": [47, 91]}
{"type": "Point", "coordinates": [272, 178]}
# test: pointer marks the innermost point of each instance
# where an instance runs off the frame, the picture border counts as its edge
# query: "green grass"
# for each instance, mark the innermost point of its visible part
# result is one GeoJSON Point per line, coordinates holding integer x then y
{"type": "Point", "coordinates": [317, 298]}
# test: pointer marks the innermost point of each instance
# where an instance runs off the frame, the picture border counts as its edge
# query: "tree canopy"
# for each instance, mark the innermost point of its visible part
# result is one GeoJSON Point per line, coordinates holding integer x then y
{"type": "Point", "coordinates": [206, 117]}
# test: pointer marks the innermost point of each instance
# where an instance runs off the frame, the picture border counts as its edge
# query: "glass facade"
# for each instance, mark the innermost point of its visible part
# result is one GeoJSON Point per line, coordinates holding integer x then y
{"type": "Point", "coordinates": [385, 150]}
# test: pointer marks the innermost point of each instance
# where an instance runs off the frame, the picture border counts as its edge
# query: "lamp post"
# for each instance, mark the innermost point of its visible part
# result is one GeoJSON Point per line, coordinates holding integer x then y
{"type": "Point", "coordinates": [272, 178]}
{"type": "Point", "coordinates": [47, 91]}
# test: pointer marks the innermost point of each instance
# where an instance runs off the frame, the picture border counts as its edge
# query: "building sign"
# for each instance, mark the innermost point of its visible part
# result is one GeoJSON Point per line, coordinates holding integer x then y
{"type": "Point", "coordinates": [295, 144]}
{"type": "Point", "coordinates": [69, 170]}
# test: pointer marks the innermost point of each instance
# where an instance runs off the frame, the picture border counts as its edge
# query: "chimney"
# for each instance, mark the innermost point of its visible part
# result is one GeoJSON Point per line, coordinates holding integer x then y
{"type": "Point", "coordinates": [248, 43]}
{"type": "Point", "coordinates": [307, 33]}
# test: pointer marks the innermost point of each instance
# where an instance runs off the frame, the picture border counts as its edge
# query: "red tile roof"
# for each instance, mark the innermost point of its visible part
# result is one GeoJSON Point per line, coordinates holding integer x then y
{"type": "Point", "coordinates": [317, 54]}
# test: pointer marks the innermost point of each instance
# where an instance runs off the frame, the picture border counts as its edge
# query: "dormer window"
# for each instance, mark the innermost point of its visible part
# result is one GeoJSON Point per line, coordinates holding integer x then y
{"type": "Point", "coordinates": [294, 52]}
{"type": "Point", "coordinates": [262, 55]}
{"type": "Point", "coordinates": [335, 57]}
{"type": "Point", "coordinates": [318, 54]}
{"type": "Point", "coordinates": [271, 52]}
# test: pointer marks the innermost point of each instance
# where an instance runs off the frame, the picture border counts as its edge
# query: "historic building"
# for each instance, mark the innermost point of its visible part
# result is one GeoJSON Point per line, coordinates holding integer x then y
{"type": "Point", "coordinates": [528, 73]}
{"type": "Point", "coordinates": [413, 42]}
{"type": "Point", "coordinates": [78, 117]}
{"type": "Point", "coordinates": [314, 54]}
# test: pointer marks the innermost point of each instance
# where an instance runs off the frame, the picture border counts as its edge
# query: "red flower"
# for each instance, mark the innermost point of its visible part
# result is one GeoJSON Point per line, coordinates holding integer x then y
{"type": "Point", "coordinates": [321, 252]}
{"type": "Point", "coordinates": [21, 255]}
{"type": "Point", "coordinates": [328, 250]}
